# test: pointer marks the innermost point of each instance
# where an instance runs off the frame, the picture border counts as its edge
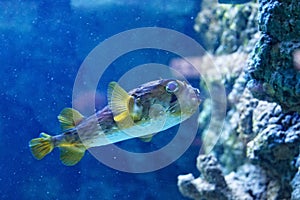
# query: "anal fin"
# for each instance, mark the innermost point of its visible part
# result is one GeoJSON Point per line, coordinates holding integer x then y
{"type": "Point", "coordinates": [146, 138]}
{"type": "Point", "coordinates": [70, 155]}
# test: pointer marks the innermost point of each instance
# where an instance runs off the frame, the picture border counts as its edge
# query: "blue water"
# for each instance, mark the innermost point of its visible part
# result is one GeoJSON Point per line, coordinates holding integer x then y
{"type": "Point", "coordinates": [43, 44]}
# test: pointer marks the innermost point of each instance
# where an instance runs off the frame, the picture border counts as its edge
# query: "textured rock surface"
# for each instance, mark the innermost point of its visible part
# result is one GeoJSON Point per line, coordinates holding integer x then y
{"type": "Point", "coordinates": [260, 132]}
{"type": "Point", "coordinates": [249, 182]}
{"type": "Point", "coordinates": [276, 146]}
{"type": "Point", "coordinates": [274, 75]}
{"type": "Point", "coordinates": [212, 185]}
{"type": "Point", "coordinates": [227, 28]}
{"type": "Point", "coordinates": [280, 19]}
{"type": "Point", "coordinates": [296, 186]}
{"type": "Point", "coordinates": [262, 125]}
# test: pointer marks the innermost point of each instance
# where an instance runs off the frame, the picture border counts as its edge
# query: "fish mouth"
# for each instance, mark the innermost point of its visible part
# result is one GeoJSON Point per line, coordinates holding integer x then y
{"type": "Point", "coordinates": [197, 93]}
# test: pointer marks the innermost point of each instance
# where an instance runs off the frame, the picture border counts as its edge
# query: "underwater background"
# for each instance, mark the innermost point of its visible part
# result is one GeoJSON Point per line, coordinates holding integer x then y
{"type": "Point", "coordinates": [255, 47]}
{"type": "Point", "coordinates": [43, 44]}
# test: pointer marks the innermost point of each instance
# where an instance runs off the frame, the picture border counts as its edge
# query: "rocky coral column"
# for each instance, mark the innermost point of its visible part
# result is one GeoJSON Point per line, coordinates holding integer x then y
{"type": "Point", "coordinates": [211, 186]}
{"type": "Point", "coordinates": [268, 126]}
{"type": "Point", "coordinates": [274, 74]}
{"type": "Point", "coordinates": [246, 184]}
{"type": "Point", "coordinates": [275, 77]}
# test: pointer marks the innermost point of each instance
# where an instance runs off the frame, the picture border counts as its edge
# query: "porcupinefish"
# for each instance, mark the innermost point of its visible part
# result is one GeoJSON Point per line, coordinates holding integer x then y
{"type": "Point", "coordinates": [152, 107]}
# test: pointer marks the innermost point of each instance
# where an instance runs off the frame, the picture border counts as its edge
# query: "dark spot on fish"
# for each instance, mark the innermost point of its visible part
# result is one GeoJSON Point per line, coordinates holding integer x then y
{"type": "Point", "coordinates": [173, 99]}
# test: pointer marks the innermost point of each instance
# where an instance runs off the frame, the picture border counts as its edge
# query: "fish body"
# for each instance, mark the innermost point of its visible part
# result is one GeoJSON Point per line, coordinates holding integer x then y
{"type": "Point", "coordinates": [142, 112]}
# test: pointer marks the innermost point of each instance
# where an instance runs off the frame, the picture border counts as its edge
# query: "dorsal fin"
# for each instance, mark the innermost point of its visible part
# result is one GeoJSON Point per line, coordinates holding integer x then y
{"type": "Point", "coordinates": [120, 104]}
{"type": "Point", "coordinates": [69, 118]}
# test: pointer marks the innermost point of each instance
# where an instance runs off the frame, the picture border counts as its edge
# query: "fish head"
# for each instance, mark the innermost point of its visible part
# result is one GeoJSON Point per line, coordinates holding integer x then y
{"type": "Point", "coordinates": [184, 100]}
{"type": "Point", "coordinates": [169, 97]}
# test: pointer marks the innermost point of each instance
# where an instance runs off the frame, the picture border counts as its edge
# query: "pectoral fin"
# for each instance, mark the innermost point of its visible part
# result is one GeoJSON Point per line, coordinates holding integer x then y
{"type": "Point", "coordinates": [69, 118]}
{"type": "Point", "coordinates": [120, 104]}
{"type": "Point", "coordinates": [70, 155]}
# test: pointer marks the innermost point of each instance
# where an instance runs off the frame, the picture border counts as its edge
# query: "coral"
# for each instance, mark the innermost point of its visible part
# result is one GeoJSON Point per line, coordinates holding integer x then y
{"type": "Point", "coordinates": [276, 146]}
{"type": "Point", "coordinates": [230, 73]}
{"type": "Point", "coordinates": [262, 126]}
{"type": "Point", "coordinates": [270, 138]}
{"type": "Point", "coordinates": [230, 30]}
{"type": "Point", "coordinates": [273, 139]}
{"type": "Point", "coordinates": [296, 186]}
{"type": "Point", "coordinates": [224, 29]}
{"type": "Point", "coordinates": [280, 19]}
{"type": "Point", "coordinates": [249, 182]}
{"type": "Point", "coordinates": [238, 130]}
{"type": "Point", "coordinates": [212, 185]}
{"type": "Point", "coordinates": [274, 77]}
{"type": "Point", "coordinates": [230, 148]}
{"type": "Point", "coordinates": [274, 74]}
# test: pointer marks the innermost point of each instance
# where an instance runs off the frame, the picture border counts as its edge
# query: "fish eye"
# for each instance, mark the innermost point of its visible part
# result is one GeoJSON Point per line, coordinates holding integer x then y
{"type": "Point", "coordinates": [172, 87]}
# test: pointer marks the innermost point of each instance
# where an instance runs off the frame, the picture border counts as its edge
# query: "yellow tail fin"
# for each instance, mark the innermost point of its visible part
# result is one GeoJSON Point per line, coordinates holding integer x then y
{"type": "Point", "coordinates": [41, 146]}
